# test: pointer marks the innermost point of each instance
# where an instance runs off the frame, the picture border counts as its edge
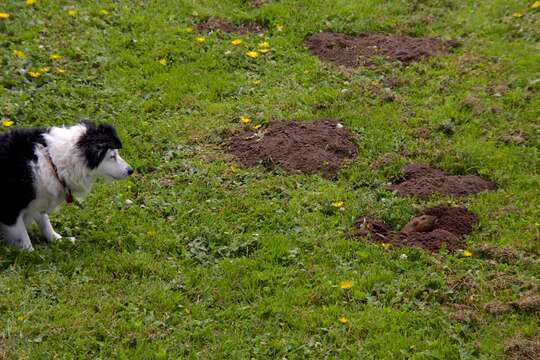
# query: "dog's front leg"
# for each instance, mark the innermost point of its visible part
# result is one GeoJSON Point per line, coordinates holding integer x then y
{"type": "Point", "coordinates": [45, 228]}
{"type": "Point", "coordinates": [17, 235]}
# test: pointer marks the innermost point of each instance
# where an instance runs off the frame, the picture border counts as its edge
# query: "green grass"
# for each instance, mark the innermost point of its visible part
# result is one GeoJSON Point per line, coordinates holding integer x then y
{"type": "Point", "coordinates": [203, 262]}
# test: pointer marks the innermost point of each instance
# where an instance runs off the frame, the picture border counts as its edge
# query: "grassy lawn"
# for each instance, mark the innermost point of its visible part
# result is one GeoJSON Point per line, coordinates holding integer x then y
{"type": "Point", "coordinates": [193, 258]}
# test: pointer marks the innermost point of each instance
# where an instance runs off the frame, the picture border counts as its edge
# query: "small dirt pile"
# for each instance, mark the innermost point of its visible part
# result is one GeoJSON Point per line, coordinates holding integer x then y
{"type": "Point", "coordinates": [435, 227]}
{"type": "Point", "coordinates": [348, 50]}
{"type": "Point", "coordinates": [307, 147]}
{"type": "Point", "coordinates": [423, 181]}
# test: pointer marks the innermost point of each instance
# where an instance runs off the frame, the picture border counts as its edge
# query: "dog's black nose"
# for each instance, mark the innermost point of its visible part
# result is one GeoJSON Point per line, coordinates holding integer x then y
{"type": "Point", "coordinates": [130, 170]}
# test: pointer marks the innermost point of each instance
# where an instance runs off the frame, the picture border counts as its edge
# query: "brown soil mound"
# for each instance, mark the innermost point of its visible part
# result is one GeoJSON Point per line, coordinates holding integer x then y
{"type": "Point", "coordinates": [528, 301]}
{"type": "Point", "coordinates": [350, 50]}
{"type": "Point", "coordinates": [225, 26]}
{"type": "Point", "coordinates": [522, 349]}
{"type": "Point", "coordinates": [307, 147]}
{"type": "Point", "coordinates": [423, 181]}
{"type": "Point", "coordinates": [439, 226]}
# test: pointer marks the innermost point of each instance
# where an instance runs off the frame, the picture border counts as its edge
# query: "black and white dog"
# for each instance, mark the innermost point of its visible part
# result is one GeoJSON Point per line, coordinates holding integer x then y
{"type": "Point", "coordinates": [40, 169]}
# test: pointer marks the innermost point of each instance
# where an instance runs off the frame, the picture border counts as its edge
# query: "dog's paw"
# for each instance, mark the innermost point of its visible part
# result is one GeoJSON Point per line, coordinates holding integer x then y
{"type": "Point", "coordinates": [54, 236]}
{"type": "Point", "coordinates": [27, 247]}
{"type": "Point", "coordinates": [71, 239]}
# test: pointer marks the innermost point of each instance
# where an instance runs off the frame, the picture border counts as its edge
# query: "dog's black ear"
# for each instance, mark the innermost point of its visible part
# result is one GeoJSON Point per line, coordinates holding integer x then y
{"type": "Point", "coordinates": [95, 142]}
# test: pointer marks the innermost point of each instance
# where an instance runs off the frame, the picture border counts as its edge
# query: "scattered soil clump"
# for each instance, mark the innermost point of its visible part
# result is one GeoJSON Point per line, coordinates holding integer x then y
{"type": "Point", "coordinates": [494, 252]}
{"type": "Point", "coordinates": [307, 147]}
{"type": "Point", "coordinates": [348, 50]}
{"type": "Point", "coordinates": [225, 26]}
{"type": "Point", "coordinates": [520, 348]}
{"type": "Point", "coordinates": [424, 181]}
{"type": "Point", "coordinates": [436, 227]}
{"type": "Point", "coordinates": [528, 301]}
{"type": "Point", "coordinates": [497, 307]}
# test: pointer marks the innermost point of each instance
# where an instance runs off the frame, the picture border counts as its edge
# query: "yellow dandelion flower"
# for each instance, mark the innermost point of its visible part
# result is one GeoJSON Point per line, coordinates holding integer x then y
{"type": "Point", "coordinates": [72, 13]}
{"type": "Point", "coordinates": [343, 320]}
{"type": "Point", "coordinates": [256, 127]}
{"type": "Point", "coordinates": [151, 233]}
{"type": "Point", "coordinates": [55, 57]}
{"type": "Point", "coordinates": [61, 71]}
{"type": "Point", "coordinates": [200, 39]}
{"type": "Point", "coordinates": [19, 53]}
{"type": "Point", "coordinates": [20, 318]}
{"type": "Point", "coordinates": [245, 120]}
{"type": "Point", "coordinates": [4, 16]}
{"type": "Point", "coordinates": [264, 44]}
{"type": "Point", "coordinates": [232, 168]}
{"type": "Point", "coordinates": [346, 284]}
{"type": "Point", "coordinates": [45, 69]}
{"type": "Point", "coordinates": [34, 74]}
{"type": "Point", "coordinates": [103, 12]}
{"type": "Point", "coordinates": [467, 253]}
{"type": "Point", "coordinates": [535, 5]}
{"type": "Point", "coordinates": [264, 51]}
{"type": "Point", "coordinates": [162, 61]}
{"type": "Point", "coordinates": [337, 204]}
{"type": "Point", "coordinates": [189, 29]}
{"type": "Point", "coordinates": [30, 2]}
{"type": "Point", "coordinates": [279, 27]}
{"type": "Point", "coordinates": [306, 72]}
{"type": "Point", "coordinates": [7, 123]}
{"type": "Point", "coordinates": [256, 82]}
{"type": "Point", "coordinates": [236, 42]}
{"type": "Point", "coordinates": [516, 14]}
{"type": "Point", "coordinates": [386, 246]}
{"type": "Point", "coordinates": [252, 54]}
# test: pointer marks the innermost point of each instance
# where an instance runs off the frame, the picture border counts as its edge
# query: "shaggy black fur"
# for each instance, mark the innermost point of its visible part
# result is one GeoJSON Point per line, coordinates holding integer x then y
{"type": "Point", "coordinates": [96, 141]}
{"type": "Point", "coordinates": [16, 180]}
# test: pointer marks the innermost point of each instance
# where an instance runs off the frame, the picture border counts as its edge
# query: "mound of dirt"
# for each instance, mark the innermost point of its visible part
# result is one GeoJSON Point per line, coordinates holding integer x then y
{"type": "Point", "coordinates": [435, 227]}
{"type": "Point", "coordinates": [423, 181]}
{"type": "Point", "coordinates": [347, 50]}
{"type": "Point", "coordinates": [225, 26]}
{"type": "Point", "coordinates": [308, 147]}
{"type": "Point", "coordinates": [528, 301]}
{"type": "Point", "coordinates": [520, 348]}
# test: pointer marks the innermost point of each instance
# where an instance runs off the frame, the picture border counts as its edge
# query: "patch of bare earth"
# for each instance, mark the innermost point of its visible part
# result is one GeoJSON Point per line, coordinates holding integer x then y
{"type": "Point", "coordinates": [348, 50]}
{"type": "Point", "coordinates": [494, 252]}
{"type": "Point", "coordinates": [307, 147]}
{"type": "Point", "coordinates": [519, 348]}
{"type": "Point", "coordinates": [528, 301]}
{"type": "Point", "coordinates": [424, 181]}
{"type": "Point", "coordinates": [225, 26]}
{"type": "Point", "coordinates": [434, 228]}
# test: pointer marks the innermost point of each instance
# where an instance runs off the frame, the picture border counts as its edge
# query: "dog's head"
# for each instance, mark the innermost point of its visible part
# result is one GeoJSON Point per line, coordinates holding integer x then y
{"type": "Point", "coordinates": [99, 146]}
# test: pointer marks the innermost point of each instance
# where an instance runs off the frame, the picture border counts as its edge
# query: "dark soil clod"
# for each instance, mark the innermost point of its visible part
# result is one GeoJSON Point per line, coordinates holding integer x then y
{"type": "Point", "coordinates": [348, 50]}
{"type": "Point", "coordinates": [307, 147]}
{"type": "Point", "coordinates": [225, 26]}
{"type": "Point", "coordinates": [521, 348]}
{"type": "Point", "coordinates": [436, 227]}
{"type": "Point", "coordinates": [528, 301]}
{"type": "Point", "coordinates": [423, 181]}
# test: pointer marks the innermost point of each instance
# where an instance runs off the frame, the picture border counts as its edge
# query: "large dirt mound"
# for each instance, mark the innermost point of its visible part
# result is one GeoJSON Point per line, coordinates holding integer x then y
{"type": "Point", "coordinates": [347, 50]}
{"type": "Point", "coordinates": [435, 227]}
{"type": "Point", "coordinates": [308, 147]}
{"type": "Point", "coordinates": [423, 181]}
{"type": "Point", "coordinates": [225, 26]}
